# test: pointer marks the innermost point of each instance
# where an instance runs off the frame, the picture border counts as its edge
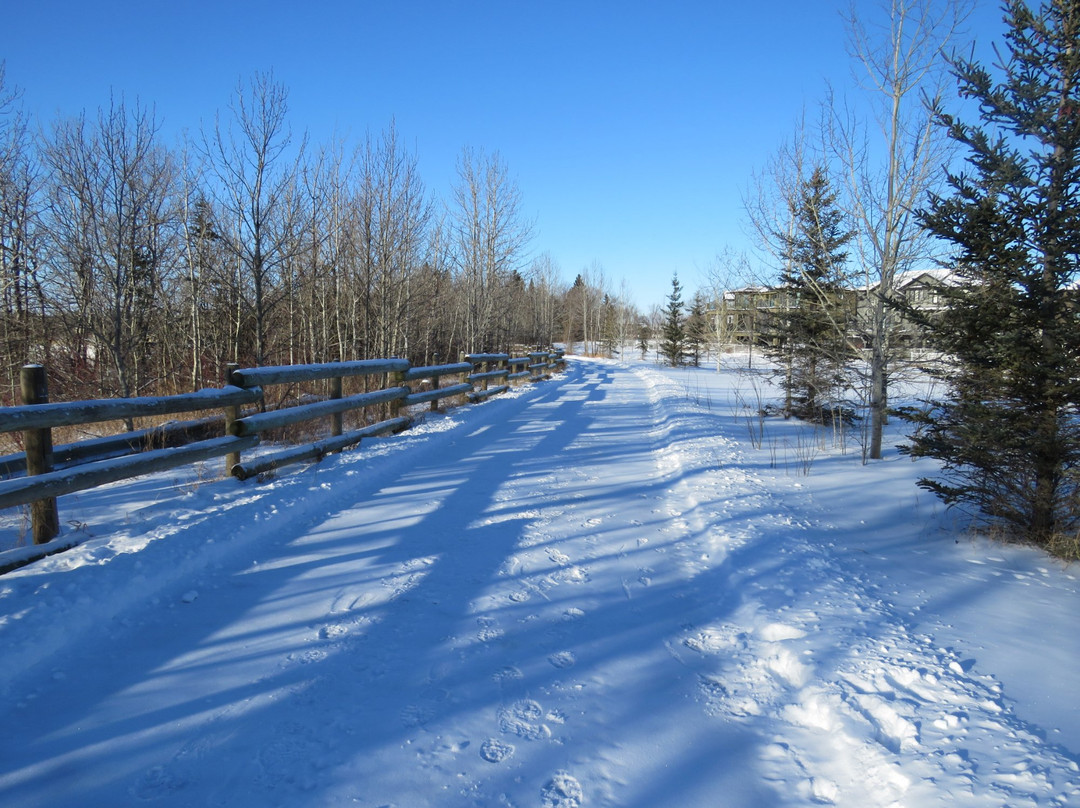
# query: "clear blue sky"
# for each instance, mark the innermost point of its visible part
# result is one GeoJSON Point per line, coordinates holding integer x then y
{"type": "Point", "coordinates": [631, 127]}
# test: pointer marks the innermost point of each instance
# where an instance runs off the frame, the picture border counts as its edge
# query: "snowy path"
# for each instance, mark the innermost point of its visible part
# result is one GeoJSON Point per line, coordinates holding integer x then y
{"type": "Point", "coordinates": [577, 596]}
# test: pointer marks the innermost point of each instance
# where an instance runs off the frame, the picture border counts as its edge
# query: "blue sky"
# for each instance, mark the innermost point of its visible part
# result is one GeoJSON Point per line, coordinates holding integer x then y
{"type": "Point", "coordinates": [632, 128]}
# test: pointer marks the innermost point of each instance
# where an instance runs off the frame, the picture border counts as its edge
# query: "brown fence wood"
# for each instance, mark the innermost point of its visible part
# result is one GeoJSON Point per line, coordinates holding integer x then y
{"type": "Point", "coordinates": [37, 443]}
{"type": "Point", "coordinates": [36, 417]}
{"type": "Point", "coordinates": [90, 475]}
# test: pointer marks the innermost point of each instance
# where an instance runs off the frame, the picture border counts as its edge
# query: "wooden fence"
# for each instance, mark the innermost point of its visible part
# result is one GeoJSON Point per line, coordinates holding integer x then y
{"type": "Point", "coordinates": [49, 472]}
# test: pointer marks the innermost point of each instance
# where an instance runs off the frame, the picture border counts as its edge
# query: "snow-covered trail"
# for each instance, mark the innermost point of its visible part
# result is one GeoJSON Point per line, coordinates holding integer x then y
{"type": "Point", "coordinates": [578, 595]}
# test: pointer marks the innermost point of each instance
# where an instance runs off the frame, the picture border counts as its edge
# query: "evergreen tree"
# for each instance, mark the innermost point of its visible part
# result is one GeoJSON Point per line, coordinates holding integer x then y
{"type": "Point", "coordinates": [609, 327]}
{"type": "Point", "coordinates": [644, 334]}
{"type": "Point", "coordinates": [695, 329]}
{"type": "Point", "coordinates": [1007, 431]}
{"type": "Point", "coordinates": [809, 329]}
{"type": "Point", "coordinates": [674, 334]}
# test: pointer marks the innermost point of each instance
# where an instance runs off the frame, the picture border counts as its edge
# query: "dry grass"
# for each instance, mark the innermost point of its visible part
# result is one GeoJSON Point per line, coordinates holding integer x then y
{"type": "Point", "coordinates": [1067, 548]}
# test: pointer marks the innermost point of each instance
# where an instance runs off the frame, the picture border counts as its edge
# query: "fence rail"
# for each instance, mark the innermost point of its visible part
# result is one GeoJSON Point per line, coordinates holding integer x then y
{"type": "Point", "coordinates": [95, 462]}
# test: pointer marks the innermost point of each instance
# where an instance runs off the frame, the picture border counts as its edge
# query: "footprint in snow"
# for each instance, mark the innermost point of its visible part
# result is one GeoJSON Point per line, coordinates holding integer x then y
{"type": "Point", "coordinates": [717, 640]}
{"type": "Point", "coordinates": [307, 657]}
{"type": "Point", "coordinates": [562, 791]}
{"type": "Point", "coordinates": [571, 575]}
{"type": "Point", "coordinates": [495, 751]}
{"type": "Point", "coordinates": [557, 556]}
{"type": "Point", "coordinates": [333, 631]}
{"type": "Point", "coordinates": [489, 630]}
{"type": "Point", "coordinates": [562, 659]}
{"type": "Point", "coordinates": [524, 718]}
{"type": "Point", "coordinates": [508, 673]}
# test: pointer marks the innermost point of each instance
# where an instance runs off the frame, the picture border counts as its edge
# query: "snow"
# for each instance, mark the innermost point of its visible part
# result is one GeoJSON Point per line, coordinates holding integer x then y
{"type": "Point", "coordinates": [593, 591]}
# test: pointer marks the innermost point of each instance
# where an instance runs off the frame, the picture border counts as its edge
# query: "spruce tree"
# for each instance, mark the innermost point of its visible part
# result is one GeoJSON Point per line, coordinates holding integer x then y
{"type": "Point", "coordinates": [644, 334]}
{"type": "Point", "coordinates": [609, 327]}
{"type": "Point", "coordinates": [695, 329]}
{"type": "Point", "coordinates": [674, 334]}
{"type": "Point", "coordinates": [809, 329]}
{"type": "Point", "coordinates": [1007, 431]}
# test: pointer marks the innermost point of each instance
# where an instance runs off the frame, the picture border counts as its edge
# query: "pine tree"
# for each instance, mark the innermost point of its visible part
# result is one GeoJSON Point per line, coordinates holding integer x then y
{"type": "Point", "coordinates": [674, 333]}
{"type": "Point", "coordinates": [609, 327]}
{"type": "Point", "coordinates": [644, 334]}
{"type": "Point", "coordinates": [695, 329]}
{"type": "Point", "coordinates": [809, 331]}
{"type": "Point", "coordinates": [1007, 431]}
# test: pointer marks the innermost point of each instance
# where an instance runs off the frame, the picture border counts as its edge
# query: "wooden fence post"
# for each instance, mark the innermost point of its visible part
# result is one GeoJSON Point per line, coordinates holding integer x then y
{"type": "Point", "coordinates": [395, 379]}
{"type": "Point", "coordinates": [232, 415]}
{"type": "Point", "coordinates": [434, 406]}
{"type": "Point", "coordinates": [37, 443]}
{"type": "Point", "coordinates": [464, 376]}
{"type": "Point", "coordinates": [337, 419]}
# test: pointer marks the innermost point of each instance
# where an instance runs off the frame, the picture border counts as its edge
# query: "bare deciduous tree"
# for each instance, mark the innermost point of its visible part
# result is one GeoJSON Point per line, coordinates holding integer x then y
{"type": "Point", "coordinates": [255, 174]}
{"type": "Point", "coordinates": [21, 297]}
{"type": "Point", "coordinates": [491, 233]}
{"type": "Point", "coordinates": [113, 234]}
{"type": "Point", "coordinates": [396, 213]}
{"type": "Point", "coordinates": [893, 161]}
{"type": "Point", "coordinates": [728, 272]}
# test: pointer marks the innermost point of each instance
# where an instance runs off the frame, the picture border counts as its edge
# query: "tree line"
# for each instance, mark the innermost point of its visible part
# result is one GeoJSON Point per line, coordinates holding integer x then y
{"type": "Point", "coordinates": [130, 266]}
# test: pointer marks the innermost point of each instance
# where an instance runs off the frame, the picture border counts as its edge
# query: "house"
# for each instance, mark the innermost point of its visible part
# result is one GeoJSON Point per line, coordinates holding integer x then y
{"type": "Point", "coordinates": [921, 290]}
{"type": "Point", "coordinates": [743, 314]}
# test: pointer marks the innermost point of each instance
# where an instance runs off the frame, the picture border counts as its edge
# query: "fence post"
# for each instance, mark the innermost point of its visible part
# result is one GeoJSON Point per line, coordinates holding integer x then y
{"type": "Point", "coordinates": [395, 379]}
{"type": "Point", "coordinates": [337, 419]}
{"type": "Point", "coordinates": [37, 443]}
{"type": "Point", "coordinates": [434, 406]}
{"type": "Point", "coordinates": [463, 377]}
{"type": "Point", "coordinates": [232, 415]}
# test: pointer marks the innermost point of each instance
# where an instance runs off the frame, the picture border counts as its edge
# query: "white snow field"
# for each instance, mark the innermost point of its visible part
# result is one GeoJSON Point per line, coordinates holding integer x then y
{"type": "Point", "coordinates": [594, 591]}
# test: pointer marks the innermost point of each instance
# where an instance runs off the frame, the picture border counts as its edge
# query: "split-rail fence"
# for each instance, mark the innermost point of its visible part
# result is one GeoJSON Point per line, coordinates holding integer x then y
{"type": "Point", "coordinates": [41, 472]}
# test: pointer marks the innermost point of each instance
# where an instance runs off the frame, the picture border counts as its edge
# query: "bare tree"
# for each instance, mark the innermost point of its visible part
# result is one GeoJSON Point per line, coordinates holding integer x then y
{"type": "Point", "coordinates": [21, 296]}
{"type": "Point", "coordinates": [772, 209]}
{"type": "Point", "coordinates": [397, 213]}
{"type": "Point", "coordinates": [728, 272]}
{"type": "Point", "coordinates": [893, 161]}
{"type": "Point", "coordinates": [491, 234]}
{"type": "Point", "coordinates": [773, 189]}
{"type": "Point", "coordinates": [593, 292]}
{"type": "Point", "coordinates": [113, 237]}
{"type": "Point", "coordinates": [255, 174]}
{"type": "Point", "coordinates": [545, 276]}
{"type": "Point", "coordinates": [627, 318]}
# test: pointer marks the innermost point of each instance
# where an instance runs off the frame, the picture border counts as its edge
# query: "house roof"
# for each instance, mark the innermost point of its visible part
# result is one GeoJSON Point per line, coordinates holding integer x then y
{"type": "Point", "coordinates": [941, 276]}
{"type": "Point", "coordinates": [938, 275]}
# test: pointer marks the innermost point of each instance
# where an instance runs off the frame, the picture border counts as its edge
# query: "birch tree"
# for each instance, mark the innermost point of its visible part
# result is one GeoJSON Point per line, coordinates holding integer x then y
{"type": "Point", "coordinates": [491, 234]}
{"type": "Point", "coordinates": [893, 160]}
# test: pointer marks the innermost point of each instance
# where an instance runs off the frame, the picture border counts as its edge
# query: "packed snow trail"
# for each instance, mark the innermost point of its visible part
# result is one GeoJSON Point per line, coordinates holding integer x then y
{"type": "Point", "coordinates": [578, 595]}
